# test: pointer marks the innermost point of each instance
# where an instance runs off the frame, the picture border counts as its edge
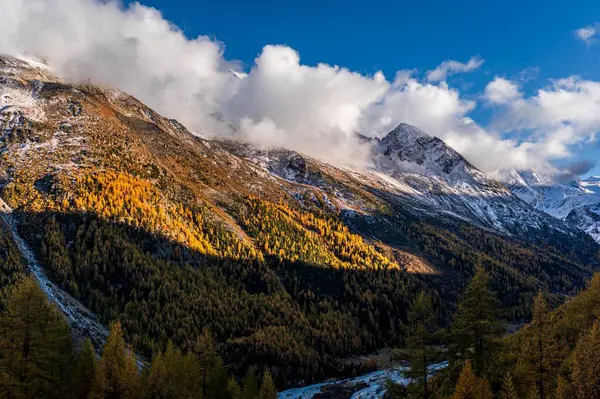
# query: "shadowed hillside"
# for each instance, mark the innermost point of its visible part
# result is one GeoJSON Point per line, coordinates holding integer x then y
{"type": "Point", "coordinates": [290, 263]}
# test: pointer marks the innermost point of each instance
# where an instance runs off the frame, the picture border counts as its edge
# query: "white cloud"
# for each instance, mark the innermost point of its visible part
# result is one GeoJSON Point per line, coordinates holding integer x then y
{"type": "Point", "coordinates": [307, 105]}
{"type": "Point", "coordinates": [311, 109]}
{"type": "Point", "coordinates": [450, 67]}
{"type": "Point", "coordinates": [501, 91]}
{"type": "Point", "coordinates": [586, 34]}
{"type": "Point", "coordinates": [440, 111]}
{"type": "Point", "coordinates": [134, 49]}
{"type": "Point", "coordinates": [431, 107]}
{"type": "Point", "coordinates": [528, 74]}
{"type": "Point", "coordinates": [565, 113]}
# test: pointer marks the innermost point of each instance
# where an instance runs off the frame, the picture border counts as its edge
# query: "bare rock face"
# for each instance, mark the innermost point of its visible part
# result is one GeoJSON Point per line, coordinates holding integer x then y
{"type": "Point", "coordinates": [297, 167]}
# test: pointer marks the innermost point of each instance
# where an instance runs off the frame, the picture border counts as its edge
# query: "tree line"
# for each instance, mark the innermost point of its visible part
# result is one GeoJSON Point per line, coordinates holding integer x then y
{"type": "Point", "coordinates": [553, 356]}
{"type": "Point", "coordinates": [39, 359]}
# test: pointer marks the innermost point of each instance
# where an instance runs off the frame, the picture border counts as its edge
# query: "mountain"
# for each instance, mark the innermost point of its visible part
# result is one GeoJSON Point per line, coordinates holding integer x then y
{"type": "Point", "coordinates": [431, 172]}
{"type": "Point", "coordinates": [570, 199]}
{"type": "Point", "coordinates": [291, 263]}
{"type": "Point", "coordinates": [418, 172]}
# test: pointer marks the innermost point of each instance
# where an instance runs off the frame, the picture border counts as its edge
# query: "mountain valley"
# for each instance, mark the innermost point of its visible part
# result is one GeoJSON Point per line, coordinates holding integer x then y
{"type": "Point", "coordinates": [291, 263]}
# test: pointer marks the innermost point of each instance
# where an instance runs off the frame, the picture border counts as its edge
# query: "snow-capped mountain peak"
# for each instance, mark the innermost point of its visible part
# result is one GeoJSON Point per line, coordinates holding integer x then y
{"type": "Point", "coordinates": [563, 196]}
{"type": "Point", "coordinates": [405, 133]}
{"type": "Point", "coordinates": [426, 169]}
{"type": "Point", "coordinates": [532, 177]}
{"type": "Point", "coordinates": [407, 149]}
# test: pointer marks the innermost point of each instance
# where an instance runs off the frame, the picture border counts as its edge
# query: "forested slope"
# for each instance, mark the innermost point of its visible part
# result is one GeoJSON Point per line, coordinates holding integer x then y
{"type": "Point", "coordinates": [171, 234]}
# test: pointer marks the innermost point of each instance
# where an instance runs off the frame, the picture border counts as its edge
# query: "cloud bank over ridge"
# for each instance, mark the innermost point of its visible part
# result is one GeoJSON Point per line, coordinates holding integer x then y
{"type": "Point", "coordinates": [282, 102]}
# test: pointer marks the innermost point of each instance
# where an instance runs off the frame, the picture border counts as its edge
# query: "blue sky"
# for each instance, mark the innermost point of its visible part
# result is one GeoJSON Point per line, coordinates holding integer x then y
{"type": "Point", "coordinates": [507, 84]}
{"type": "Point", "coordinates": [513, 37]}
{"type": "Point", "coordinates": [392, 35]}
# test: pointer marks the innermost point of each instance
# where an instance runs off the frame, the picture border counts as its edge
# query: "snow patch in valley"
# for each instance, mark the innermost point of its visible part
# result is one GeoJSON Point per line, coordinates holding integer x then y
{"type": "Point", "coordinates": [375, 381]}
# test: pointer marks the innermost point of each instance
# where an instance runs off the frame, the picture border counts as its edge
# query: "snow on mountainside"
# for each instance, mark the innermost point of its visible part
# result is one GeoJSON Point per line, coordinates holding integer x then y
{"type": "Point", "coordinates": [415, 171]}
{"type": "Point", "coordinates": [440, 176]}
{"type": "Point", "coordinates": [574, 200]}
{"type": "Point", "coordinates": [407, 167]}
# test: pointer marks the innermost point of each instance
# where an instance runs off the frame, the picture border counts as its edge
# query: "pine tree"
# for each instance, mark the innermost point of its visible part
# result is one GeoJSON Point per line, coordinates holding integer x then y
{"type": "Point", "coordinates": [156, 384]}
{"type": "Point", "coordinates": [192, 387]}
{"type": "Point", "coordinates": [117, 375]}
{"type": "Point", "coordinates": [476, 328]}
{"type": "Point", "coordinates": [204, 349]}
{"type": "Point", "coordinates": [395, 390]}
{"type": "Point", "coordinates": [35, 345]}
{"type": "Point", "coordinates": [508, 390]}
{"type": "Point", "coordinates": [267, 388]}
{"type": "Point", "coordinates": [218, 383]}
{"type": "Point", "coordinates": [233, 389]}
{"type": "Point", "coordinates": [131, 376]}
{"type": "Point", "coordinates": [420, 342]}
{"type": "Point", "coordinates": [250, 385]}
{"type": "Point", "coordinates": [586, 368]}
{"type": "Point", "coordinates": [537, 357]}
{"type": "Point", "coordinates": [563, 389]}
{"type": "Point", "coordinates": [85, 371]}
{"type": "Point", "coordinates": [470, 386]}
{"type": "Point", "coordinates": [534, 392]}
{"type": "Point", "coordinates": [172, 375]}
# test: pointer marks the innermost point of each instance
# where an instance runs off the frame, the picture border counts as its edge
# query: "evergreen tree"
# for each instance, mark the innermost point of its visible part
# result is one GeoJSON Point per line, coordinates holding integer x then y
{"type": "Point", "coordinates": [204, 348]}
{"type": "Point", "coordinates": [395, 390]}
{"type": "Point", "coordinates": [156, 384]}
{"type": "Point", "coordinates": [131, 376]}
{"type": "Point", "coordinates": [218, 383]}
{"type": "Point", "coordinates": [250, 385]}
{"type": "Point", "coordinates": [537, 354]}
{"type": "Point", "coordinates": [85, 371]}
{"type": "Point", "coordinates": [420, 342]}
{"type": "Point", "coordinates": [117, 375]}
{"type": "Point", "coordinates": [267, 388]}
{"type": "Point", "coordinates": [476, 328]}
{"type": "Point", "coordinates": [563, 389]}
{"type": "Point", "coordinates": [586, 367]}
{"type": "Point", "coordinates": [508, 390]}
{"type": "Point", "coordinates": [35, 345]}
{"type": "Point", "coordinates": [233, 389]}
{"type": "Point", "coordinates": [470, 386]}
{"type": "Point", "coordinates": [534, 392]}
{"type": "Point", "coordinates": [172, 375]}
{"type": "Point", "coordinates": [191, 385]}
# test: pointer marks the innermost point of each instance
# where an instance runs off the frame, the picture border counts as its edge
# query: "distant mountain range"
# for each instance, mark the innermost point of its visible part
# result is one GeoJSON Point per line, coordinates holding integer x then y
{"type": "Point", "coordinates": [570, 199]}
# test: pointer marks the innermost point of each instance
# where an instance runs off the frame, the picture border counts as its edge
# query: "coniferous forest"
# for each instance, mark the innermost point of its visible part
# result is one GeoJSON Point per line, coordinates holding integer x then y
{"type": "Point", "coordinates": [38, 359]}
{"type": "Point", "coordinates": [177, 286]}
{"type": "Point", "coordinates": [221, 279]}
{"type": "Point", "coordinates": [550, 357]}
